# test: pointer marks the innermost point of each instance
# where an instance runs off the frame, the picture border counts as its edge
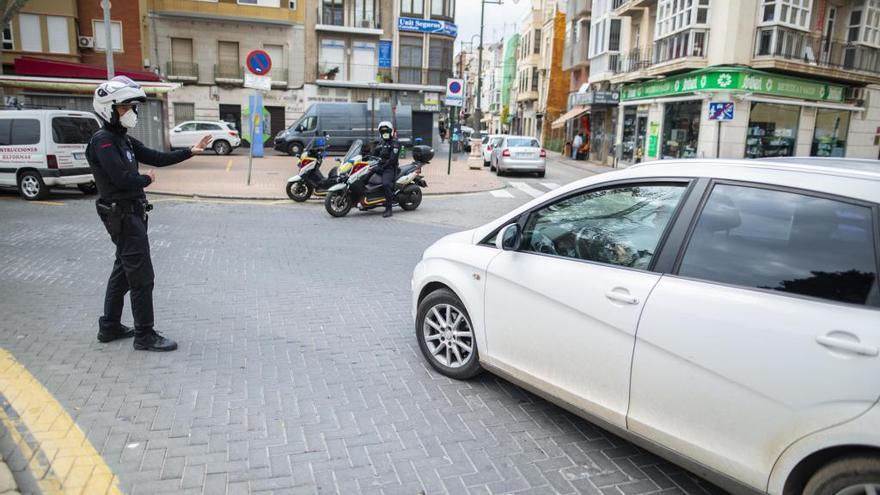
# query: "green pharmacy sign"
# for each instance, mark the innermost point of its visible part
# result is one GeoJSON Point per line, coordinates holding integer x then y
{"type": "Point", "coordinates": [737, 79]}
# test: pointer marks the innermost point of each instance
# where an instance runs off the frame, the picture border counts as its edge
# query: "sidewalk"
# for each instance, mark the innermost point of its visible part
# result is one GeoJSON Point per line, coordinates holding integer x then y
{"type": "Point", "coordinates": [581, 164]}
{"type": "Point", "coordinates": [208, 175]}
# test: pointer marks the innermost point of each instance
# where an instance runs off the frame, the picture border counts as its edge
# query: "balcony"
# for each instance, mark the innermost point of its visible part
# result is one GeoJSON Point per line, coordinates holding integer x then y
{"type": "Point", "coordinates": [228, 74]}
{"type": "Point", "coordinates": [622, 7]}
{"type": "Point", "coordinates": [530, 95]}
{"type": "Point", "coordinates": [279, 76]}
{"type": "Point", "coordinates": [631, 65]}
{"type": "Point", "coordinates": [797, 51]}
{"type": "Point", "coordinates": [226, 11]}
{"type": "Point", "coordinates": [575, 56]}
{"type": "Point", "coordinates": [182, 71]}
{"type": "Point", "coordinates": [333, 19]}
{"type": "Point", "coordinates": [681, 51]}
{"type": "Point", "coordinates": [578, 8]}
{"type": "Point", "coordinates": [365, 74]}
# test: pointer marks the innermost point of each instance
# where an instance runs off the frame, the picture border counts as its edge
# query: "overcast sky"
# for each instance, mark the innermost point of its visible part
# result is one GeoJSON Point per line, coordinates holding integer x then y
{"type": "Point", "coordinates": [467, 16]}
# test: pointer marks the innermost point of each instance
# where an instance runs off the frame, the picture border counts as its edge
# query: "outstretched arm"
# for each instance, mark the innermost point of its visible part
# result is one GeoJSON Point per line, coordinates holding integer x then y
{"type": "Point", "coordinates": [162, 159]}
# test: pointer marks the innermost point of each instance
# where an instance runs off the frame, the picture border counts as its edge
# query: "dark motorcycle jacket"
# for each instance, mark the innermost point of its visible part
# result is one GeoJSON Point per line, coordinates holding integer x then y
{"type": "Point", "coordinates": [388, 153]}
{"type": "Point", "coordinates": [113, 157]}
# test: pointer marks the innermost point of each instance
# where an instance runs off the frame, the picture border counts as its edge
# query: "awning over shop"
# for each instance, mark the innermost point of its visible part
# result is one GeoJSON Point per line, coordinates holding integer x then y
{"type": "Point", "coordinates": [85, 86]}
{"type": "Point", "coordinates": [38, 67]}
{"type": "Point", "coordinates": [742, 80]}
{"type": "Point", "coordinates": [571, 114]}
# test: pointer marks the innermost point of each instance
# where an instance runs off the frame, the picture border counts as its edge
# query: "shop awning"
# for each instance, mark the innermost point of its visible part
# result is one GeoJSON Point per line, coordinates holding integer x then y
{"type": "Point", "coordinates": [815, 104]}
{"type": "Point", "coordinates": [571, 114]}
{"type": "Point", "coordinates": [85, 86]}
{"type": "Point", "coordinates": [38, 67]}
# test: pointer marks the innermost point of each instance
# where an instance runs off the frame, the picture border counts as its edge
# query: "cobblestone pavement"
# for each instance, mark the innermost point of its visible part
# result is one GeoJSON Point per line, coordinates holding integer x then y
{"type": "Point", "coordinates": [298, 371]}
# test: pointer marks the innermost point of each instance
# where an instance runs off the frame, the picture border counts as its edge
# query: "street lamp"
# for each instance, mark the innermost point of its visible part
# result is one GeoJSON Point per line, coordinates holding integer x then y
{"type": "Point", "coordinates": [478, 112]}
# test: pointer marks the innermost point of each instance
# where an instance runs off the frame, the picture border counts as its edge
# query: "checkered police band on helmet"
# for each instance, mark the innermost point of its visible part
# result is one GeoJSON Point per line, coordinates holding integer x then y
{"type": "Point", "coordinates": [117, 91]}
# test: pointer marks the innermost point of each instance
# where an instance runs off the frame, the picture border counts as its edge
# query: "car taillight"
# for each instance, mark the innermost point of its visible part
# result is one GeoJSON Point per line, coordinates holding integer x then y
{"type": "Point", "coordinates": [489, 148]}
{"type": "Point", "coordinates": [543, 154]}
{"type": "Point", "coordinates": [506, 152]}
{"type": "Point", "coordinates": [51, 161]}
{"type": "Point", "coordinates": [233, 133]}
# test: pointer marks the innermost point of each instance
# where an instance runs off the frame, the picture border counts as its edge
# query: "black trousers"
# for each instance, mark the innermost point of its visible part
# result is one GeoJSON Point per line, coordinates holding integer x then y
{"type": "Point", "coordinates": [132, 272]}
{"type": "Point", "coordinates": [388, 176]}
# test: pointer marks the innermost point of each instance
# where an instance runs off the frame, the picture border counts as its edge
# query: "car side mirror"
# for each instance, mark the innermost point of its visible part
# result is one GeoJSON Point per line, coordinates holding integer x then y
{"type": "Point", "coordinates": [326, 134]}
{"type": "Point", "coordinates": [509, 238]}
{"type": "Point", "coordinates": [176, 130]}
{"type": "Point", "coordinates": [299, 128]}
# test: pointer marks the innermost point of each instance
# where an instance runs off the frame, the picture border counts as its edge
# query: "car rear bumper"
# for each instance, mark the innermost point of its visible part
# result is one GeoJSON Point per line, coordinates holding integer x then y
{"type": "Point", "coordinates": [514, 164]}
{"type": "Point", "coordinates": [67, 176]}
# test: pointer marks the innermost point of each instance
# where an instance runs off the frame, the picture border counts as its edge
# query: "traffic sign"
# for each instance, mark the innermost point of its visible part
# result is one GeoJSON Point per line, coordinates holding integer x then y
{"type": "Point", "coordinates": [259, 62]}
{"type": "Point", "coordinates": [720, 110]}
{"type": "Point", "coordinates": [455, 92]}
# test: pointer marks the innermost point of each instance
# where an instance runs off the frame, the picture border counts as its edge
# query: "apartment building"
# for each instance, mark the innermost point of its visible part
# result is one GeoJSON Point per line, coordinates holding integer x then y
{"type": "Point", "coordinates": [802, 76]}
{"type": "Point", "coordinates": [509, 80]}
{"type": "Point", "coordinates": [575, 62]}
{"type": "Point", "coordinates": [202, 45]}
{"type": "Point", "coordinates": [493, 73]}
{"type": "Point", "coordinates": [527, 120]}
{"type": "Point", "coordinates": [554, 82]}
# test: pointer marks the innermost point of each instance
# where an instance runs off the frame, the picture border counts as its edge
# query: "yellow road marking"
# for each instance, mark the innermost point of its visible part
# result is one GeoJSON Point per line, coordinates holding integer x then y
{"type": "Point", "coordinates": [59, 455]}
{"type": "Point", "coordinates": [229, 165]}
{"type": "Point", "coordinates": [48, 203]}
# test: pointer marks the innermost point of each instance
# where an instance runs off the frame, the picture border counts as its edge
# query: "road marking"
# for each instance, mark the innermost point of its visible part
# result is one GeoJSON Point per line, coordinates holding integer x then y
{"type": "Point", "coordinates": [229, 165]}
{"type": "Point", "coordinates": [531, 191]}
{"type": "Point", "coordinates": [501, 193]}
{"type": "Point", "coordinates": [60, 457]}
{"type": "Point", "coordinates": [550, 185]}
{"type": "Point", "coordinates": [48, 203]}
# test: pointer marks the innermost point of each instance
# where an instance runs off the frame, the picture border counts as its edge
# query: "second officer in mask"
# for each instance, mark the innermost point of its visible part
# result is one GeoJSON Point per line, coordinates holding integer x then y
{"type": "Point", "coordinates": [388, 151]}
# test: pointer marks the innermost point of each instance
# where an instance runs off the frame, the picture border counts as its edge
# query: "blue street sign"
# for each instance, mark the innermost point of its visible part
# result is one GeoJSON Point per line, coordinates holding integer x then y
{"type": "Point", "coordinates": [427, 26]}
{"type": "Point", "coordinates": [720, 110]}
{"type": "Point", "coordinates": [259, 62]}
{"type": "Point", "coordinates": [255, 104]}
{"type": "Point", "coordinates": [384, 54]}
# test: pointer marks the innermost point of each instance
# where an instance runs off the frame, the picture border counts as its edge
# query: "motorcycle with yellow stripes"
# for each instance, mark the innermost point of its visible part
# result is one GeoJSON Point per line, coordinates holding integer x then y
{"type": "Point", "coordinates": [310, 180]}
{"type": "Point", "coordinates": [364, 187]}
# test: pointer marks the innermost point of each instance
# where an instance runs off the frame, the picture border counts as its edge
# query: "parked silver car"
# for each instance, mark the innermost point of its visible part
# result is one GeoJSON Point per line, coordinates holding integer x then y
{"type": "Point", "coordinates": [519, 154]}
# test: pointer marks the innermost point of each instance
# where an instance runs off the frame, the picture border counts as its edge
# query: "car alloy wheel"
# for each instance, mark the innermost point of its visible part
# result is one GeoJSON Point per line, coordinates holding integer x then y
{"type": "Point", "coordinates": [861, 489]}
{"type": "Point", "coordinates": [448, 336]}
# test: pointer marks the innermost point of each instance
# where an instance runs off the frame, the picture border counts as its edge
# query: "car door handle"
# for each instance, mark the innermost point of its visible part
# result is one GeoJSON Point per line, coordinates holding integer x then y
{"type": "Point", "coordinates": [622, 296]}
{"type": "Point", "coordinates": [847, 345]}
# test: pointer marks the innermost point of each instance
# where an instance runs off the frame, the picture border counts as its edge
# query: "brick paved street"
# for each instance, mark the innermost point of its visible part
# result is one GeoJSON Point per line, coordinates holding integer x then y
{"type": "Point", "coordinates": [297, 372]}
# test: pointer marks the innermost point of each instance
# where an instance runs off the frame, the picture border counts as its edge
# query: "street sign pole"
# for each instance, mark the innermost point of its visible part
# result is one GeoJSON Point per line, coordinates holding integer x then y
{"type": "Point", "coordinates": [718, 143]}
{"type": "Point", "coordinates": [259, 63]}
{"type": "Point", "coordinates": [451, 128]}
{"type": "Point", "coordinates": [454, 100]}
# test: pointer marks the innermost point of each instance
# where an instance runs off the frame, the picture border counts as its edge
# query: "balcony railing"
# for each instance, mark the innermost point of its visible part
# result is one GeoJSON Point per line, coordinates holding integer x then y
{"type": "Point", "coordinates": [576, 8]}
{"type": "Point", "coordinates": [228, 73]}
{"type": "Point", "coordinates": [279, 76]}
{"type": "Point", "coordinates": [689, 43]}
{"type": "Point", "coordinates": [633, 61]}
{"type": "Point", "coordinates": [371, 73]}
{"type": "Point", "coordinates": [182, 71]}
{"type": "Point", "coordinates": [811, 49]}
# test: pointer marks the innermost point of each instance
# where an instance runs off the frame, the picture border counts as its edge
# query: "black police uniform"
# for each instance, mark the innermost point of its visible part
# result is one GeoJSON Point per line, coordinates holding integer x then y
{"type": "Point", "coordinates": [113, 157]}
{"type": "Point", "coordinates": [388, 153]}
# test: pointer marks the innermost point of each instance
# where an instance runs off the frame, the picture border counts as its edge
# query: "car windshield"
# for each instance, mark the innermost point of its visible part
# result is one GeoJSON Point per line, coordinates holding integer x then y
{"type": "Point", "coordinates": [353, 151]}
{"type": "Point", "coordinates": [523, 142]}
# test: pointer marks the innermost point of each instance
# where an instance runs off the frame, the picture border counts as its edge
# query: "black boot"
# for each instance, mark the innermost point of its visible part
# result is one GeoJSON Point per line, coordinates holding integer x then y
{"type": "Point", "coordinates": [108, 332]}
{"type": "Point", "coordinates": [149, 340]}
{"type": "Point", "coordinates": [387, 213]}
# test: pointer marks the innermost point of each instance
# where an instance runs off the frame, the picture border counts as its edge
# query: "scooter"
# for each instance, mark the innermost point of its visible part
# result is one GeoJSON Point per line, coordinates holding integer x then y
{"type": "Point", "coordinates": [364, 187]}
{"type": "Point", "coordinates": [310, 180]}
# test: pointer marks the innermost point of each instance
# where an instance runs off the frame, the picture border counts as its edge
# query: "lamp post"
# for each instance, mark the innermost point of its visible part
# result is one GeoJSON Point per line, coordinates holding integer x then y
{"type": "Point", "coordinates": [478, 112]}
{"type": "Point", "coordinates": [108, 38]}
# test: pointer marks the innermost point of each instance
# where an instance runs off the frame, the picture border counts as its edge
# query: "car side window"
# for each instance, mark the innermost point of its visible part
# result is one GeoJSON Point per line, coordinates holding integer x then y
{"type": "Point", "coordinates": [785, 241]}
{"type": "Point", "coordinates": [208, 127]}
{"type": "Point", "coordinates": [191, 126]}
{"type": "Point", "coordinates": [310, 123]}
{"type": "Point", "coordinates": [5, 132]}
{"type": "Point", "coordinates": [25, 131]}
{"type": "Point", "coordinates": [618, 225]}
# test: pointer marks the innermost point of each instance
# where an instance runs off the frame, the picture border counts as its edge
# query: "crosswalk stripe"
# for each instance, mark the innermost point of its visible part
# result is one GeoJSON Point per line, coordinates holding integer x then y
{"type": "Point", "coordinates": [550, 185]}
{"type": "Point", "coordinates": [501, 193]}
{"type": "Point", "coordinates": [531, 191]}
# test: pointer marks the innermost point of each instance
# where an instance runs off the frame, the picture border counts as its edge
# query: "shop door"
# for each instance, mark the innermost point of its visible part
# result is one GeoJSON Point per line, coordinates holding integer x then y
{"type": "Point", "coordinates": [423, 127]}
{"type": "Point", "coordinates": [276, 122]}
{"type": "Point", "coordinates": [641, 132]}
{"type": "Point", "coordinates": [231, 114]}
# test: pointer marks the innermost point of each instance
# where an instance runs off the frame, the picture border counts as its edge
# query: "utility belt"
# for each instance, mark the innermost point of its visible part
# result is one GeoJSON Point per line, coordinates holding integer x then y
{"type": "Point", "coordinates": [112, 213]}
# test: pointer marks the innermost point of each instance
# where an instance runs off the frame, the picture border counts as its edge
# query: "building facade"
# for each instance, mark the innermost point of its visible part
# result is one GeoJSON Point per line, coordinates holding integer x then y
{"type": "Point", "coordinates": [576, 62]}
{"type": "Point", "coordinates": [129, 34]}
{"type": "Point", "coordinates": [493, 74]}
{"type": "Point", "coordinates": [529, 61]}
{"type": "Point", "coordinates": [790, 78]}
{"type": "Point", "coordinates": [554, 82]}
{"type": "Point", "coordinates": [202, 45]}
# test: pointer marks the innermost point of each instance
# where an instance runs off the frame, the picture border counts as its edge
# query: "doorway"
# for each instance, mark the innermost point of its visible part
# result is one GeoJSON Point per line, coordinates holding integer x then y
{"type": "Point", "coordinates": [276, 122]}
{"type": "Point", "coordinates": [231, 114]}
{"type": "Point", "coordinates": [423, 127]}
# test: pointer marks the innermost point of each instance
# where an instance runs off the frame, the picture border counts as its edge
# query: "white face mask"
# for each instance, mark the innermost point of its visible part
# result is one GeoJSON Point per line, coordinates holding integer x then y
{"type": "Point", "coordinates": [129, 120]}
{"type": "Point", "coordinates": [386, 136]}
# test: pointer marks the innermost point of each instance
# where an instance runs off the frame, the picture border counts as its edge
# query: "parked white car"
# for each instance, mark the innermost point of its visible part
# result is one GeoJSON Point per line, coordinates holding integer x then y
{"type": "Point", "coordinates": [519, 154]}
{"type": "Point", "coordinates": [489, 142]}
{"type": "Point", "coordinates": [224, 139]}
{"type": "Point", "coordinates": [723, 314]}
{"type": "Point", "coordinates": [40, 149]}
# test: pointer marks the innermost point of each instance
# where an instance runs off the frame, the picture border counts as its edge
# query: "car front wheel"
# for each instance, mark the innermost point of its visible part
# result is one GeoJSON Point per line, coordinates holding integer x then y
{"type": "Point", "coordinates": [222, 148]}
{"type": "Point", "coordinates": [31, 186]}
{"type": "Point", "coordinates": [855, 475]}
{"type": "Point", "coordinates": [446, 336]}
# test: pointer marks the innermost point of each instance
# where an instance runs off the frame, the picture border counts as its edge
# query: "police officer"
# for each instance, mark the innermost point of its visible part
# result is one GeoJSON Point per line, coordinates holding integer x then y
{"type": "Point", "coordinates": [122, 206]}
{"type": "Point", "coordinates": [388, 152]}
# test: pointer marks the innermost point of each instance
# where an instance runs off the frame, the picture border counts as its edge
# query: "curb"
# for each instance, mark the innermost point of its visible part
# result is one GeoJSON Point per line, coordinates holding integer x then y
{"type": "Point", "coordinates": [285, 198]}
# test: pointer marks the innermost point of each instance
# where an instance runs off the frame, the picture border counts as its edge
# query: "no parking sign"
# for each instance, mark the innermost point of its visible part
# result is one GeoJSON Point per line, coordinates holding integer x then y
{"type": "Point", "coordinates": [454, 92]}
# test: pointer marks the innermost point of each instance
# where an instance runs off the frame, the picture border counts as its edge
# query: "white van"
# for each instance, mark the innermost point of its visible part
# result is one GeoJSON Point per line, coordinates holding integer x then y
{"type": "Point", "coordinates": [40, 149]}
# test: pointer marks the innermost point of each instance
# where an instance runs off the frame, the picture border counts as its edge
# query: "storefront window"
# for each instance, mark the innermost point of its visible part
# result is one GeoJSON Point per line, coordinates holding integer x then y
{"type": "Point", "coordinates": [681, 129]}
{"type": "Point", "coordinates": [829, 138]}
{"type": "Point", "coordinates": [633, 143]}
{"type": "Point", "coordinates": [772, 130]}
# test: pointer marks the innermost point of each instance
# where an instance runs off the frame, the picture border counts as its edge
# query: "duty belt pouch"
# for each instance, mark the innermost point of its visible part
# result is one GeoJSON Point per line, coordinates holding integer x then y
{"type": "Point", "coordinates": [111, 216]}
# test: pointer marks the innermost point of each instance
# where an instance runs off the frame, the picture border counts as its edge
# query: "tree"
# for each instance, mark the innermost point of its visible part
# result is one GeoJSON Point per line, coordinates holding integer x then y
{"type": "Point", "coordinates": [8, 9]}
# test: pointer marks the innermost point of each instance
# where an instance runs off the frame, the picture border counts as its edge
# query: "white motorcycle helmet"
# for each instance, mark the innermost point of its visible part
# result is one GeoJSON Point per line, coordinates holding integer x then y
{"type": "Point", "coordinates": [386, 129]}
{"type": "Point", "coordinates": [118, 91]}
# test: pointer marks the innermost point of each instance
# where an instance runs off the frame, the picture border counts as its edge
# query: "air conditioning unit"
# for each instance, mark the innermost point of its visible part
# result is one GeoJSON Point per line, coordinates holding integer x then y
{"type": "Point", "coordinates": [855, 94]}
{"type": "Point", "coordinates": [366, 23]}
{"type": "Point", "coordinates": [85, 41]}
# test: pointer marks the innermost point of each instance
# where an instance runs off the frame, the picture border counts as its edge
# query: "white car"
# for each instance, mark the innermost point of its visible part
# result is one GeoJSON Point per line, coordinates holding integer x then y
{"type": "Point", "coordinates": [224, 139]}
{"type": "Point", "coordinates": [40, 149]}
{"type": "Point", "coordinates": [519, 154]}
{"type": "Point", "coordinates": [488, 144]}
{"type": "Point", "coordinates": [723, 314]}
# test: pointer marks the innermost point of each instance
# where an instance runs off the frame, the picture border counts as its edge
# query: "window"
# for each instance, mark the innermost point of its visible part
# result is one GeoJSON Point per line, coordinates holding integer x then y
{"type": "Point", "coordinates": [261, 3]}
{"type": "Point", "coordinates": [30, 32]}
{"type": "Point", "coordinates": [785, 242]}
{"type": "Point", "coordinates": [115, 35]}
{"type": "Point", "coordinates": [73, 130]}
{"type": "Point", "coordinates": [279, 66]}
{"type": "Point", "coordinates": [614, 36]}
{"type": "Point", "coordinates": [227, 59]}
{"type": "Point", "coordinates": [619, 226]}
{"type": "Point", "coordinates": [792, 13]}
{"type": "Point", "coordinates": [410, 60]}
{"type": "Point", "coordinates": [309, 123]}
{"type": "Point", "coordinates": [8, 43]}
{"type": "Point", "coordinates": [333, 13]}
{"type": "Point", "coordinates": [365, 13]}
{"type": "Point", "coordinates": [412, 7]}
{"type": "Point", "coordinates": [363, 61]}
{"type": "Point", "coordinates": [439, 60]}
{"type": "Point", "coordinates": [534, 78]}
{"type": "Point", "coordinates": [5, 130]}
{"type": "Point", "coordinates": [443, 8]}
{"type": "Point", "coordinates": [864, 24]}
{"type": "Point", "coordinates": [188, 127]}
{"type": "Point", "coordinates": [772, 130]}
{"type": "Point", "coordinates": [681, 129]}
{"type": "Point", "coordinates": [829, 137]}
{"type": "Point", "coordinates": [681, 29]}
{"type": "Point", "coordinates": [208, 127]}
{"type": "Point", "coordinates": [332, 57]}
{"type": "Point", "coordinates": [184, 112]}
{"type": "Point", "coordinates": [522, 143]}
{"type": "Point", "coordinates": [537, 41]}
{"type": "Point", "coordinates": [24, 131]}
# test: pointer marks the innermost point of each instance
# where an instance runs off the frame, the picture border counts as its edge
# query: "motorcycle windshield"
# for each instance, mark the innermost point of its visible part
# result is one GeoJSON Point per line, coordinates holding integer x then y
{"type": "Point", "coordinates": [353, 151]}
